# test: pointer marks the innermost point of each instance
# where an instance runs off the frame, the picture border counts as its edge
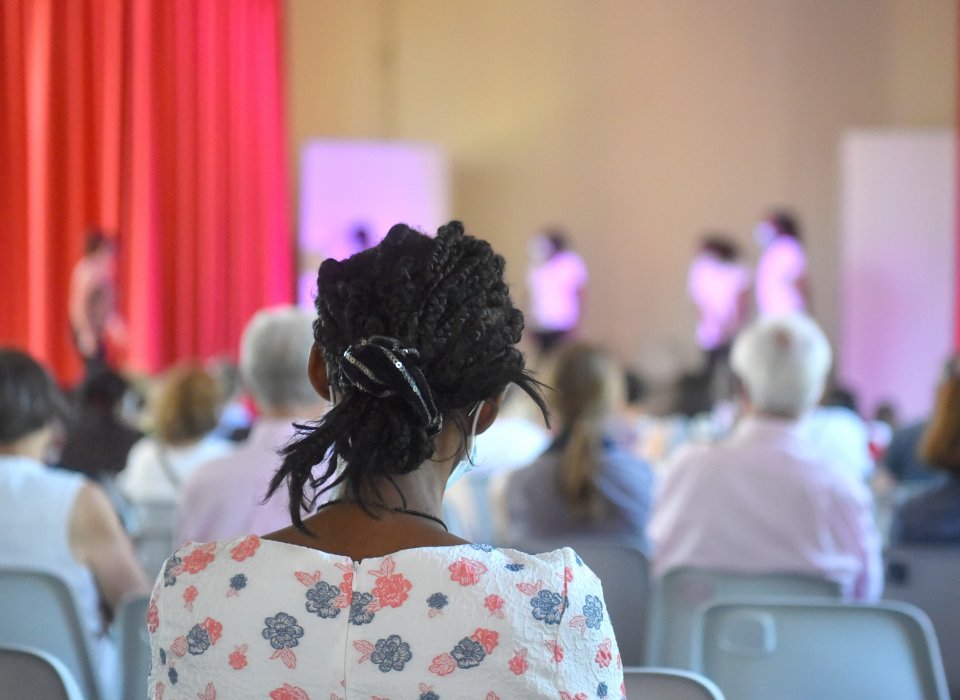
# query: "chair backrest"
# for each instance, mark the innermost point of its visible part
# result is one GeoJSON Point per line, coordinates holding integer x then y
{"type": "Point", "coordinates": [38, 610]}
{"type": "Point", "coordinates": [35, 674]}
{"type": "Point", "coordinates": [130, 628]}
{"type": "Point", "coordinates": [929, 577]}
{"type": "Point", "coordinates": [668, 684]}
{"type": "Point", "coordinates": [681, 591]}
{"type": "Point", "coordinates": [153, 536]}
{"type": "Point", "coordinates": [625, 574]}
{"type": "Point", "coordinates": [793, 650]}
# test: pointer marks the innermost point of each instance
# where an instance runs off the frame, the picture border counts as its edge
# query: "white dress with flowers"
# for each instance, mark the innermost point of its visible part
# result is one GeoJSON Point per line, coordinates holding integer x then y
{"type": "Point", "coordinates": [250, 618]}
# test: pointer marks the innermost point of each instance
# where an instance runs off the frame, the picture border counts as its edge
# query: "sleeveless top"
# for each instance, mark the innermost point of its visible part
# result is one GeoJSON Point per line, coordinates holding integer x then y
{"type": "Point", "coordinates": [251, 618]}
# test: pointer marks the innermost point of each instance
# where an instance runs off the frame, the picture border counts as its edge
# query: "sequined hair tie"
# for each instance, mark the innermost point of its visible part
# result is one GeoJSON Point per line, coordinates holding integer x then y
{"type": "Point", "coordinates": [382, 367]}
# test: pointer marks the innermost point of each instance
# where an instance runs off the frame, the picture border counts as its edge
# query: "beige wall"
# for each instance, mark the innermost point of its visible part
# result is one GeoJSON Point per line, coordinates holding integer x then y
{"type": "Point", "coordinates": [634, 123]}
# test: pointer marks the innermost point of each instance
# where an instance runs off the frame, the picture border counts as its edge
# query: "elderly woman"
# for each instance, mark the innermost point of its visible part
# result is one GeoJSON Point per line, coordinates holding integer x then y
{"type": "Point", "coordinates": [371, 596]}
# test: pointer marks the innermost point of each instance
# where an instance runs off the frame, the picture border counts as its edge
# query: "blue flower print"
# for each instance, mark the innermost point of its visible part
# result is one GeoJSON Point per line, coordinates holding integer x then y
{"type": "Point", "coordinates": [238, 582]}
{"type": "Point", "coordinates": [430, 695]}
{"type": "Point", "coordinates": [468, 653]}
{"type": "Point", "coordinates": [172, 563]}
{"type": "Point", "coordinates": [320, 600]}
{"type": "Point", "coordinates": [602, 690]}
{"type": "Point", "coordinates": [359, 615]}
{"type": "Point", "coordinates": [198, 640]}
{"type": "Point", "coordinates": [391, 654]}
{"type": "Point", "coordinates": [593, 611]}
{"type": "Point", "coordinates": [513, 566]}
{"type": "Point", "coordinates": [482, 547]}
{"type": "Point", "coordinates": [282, 630]}
{"type": "Point", "coordinates": [548, 606]}
{"type": "Point", "coordinates": [163, 658]}
{"type": "Point", "coordinates": [173, 675]}
{"type": "Point", "coordinates": [579, 560]}
{"type": "Point", "coordinates": [437, 601]}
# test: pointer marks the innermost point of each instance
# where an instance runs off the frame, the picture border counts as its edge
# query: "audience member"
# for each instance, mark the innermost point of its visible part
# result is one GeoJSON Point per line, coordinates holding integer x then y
{"type": "Point", "coordinates": [58, 520]}
{"type": "Point", "coordinates": [415, 343]}
{"type": "Point", "coordinates": [556, 282]}
{"type": "Point", "coordinates": [903, 459]}
{"type": "Point", "coordinates": [933, 517]}
{"type": "Point", "coordinates": [781, 280]}
{"type": "Point", "coordinates": [584, 484]}
{"type": "Point", "coordinates": [223, 498]}
{"type": "Point", "coordinates": [236, 417]}
{"type": "Point", "coordinates": [766, 499]}
{"type": "Point", "coordinates": [838, 431]}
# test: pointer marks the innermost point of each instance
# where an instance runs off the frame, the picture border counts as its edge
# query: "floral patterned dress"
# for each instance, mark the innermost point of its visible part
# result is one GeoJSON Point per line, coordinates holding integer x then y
{"type": "Point", "coordinates": [250, 618]}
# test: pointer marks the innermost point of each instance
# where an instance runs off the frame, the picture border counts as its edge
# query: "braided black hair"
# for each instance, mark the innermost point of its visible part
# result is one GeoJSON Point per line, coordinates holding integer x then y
{"type": "Point", "coordinates": [443, 297]}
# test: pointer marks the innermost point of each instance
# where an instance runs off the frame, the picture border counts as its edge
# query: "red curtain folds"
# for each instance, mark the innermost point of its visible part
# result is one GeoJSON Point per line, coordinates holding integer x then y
{"type": "Point", "coordinates": [163, 121]}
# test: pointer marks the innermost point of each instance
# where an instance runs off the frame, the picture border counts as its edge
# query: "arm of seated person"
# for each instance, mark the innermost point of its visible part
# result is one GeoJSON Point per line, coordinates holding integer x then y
{"type": "Point", "coordinates": [99, 541]}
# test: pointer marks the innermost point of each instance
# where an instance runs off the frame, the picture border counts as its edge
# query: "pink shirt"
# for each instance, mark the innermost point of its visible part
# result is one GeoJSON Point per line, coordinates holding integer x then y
{"type": "Point", "coordinates": [765, 501]}
{"type": "Point", "coordinates": [782, 265]}
{"type": "Point", "coordinates": [716, 287]}
{"type": "Point", "coordinates": [555, 286]}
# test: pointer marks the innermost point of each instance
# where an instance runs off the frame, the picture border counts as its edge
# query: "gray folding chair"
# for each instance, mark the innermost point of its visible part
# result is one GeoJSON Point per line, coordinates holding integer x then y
{"type": "Point", "coordinates": [929, 577]}
{"type": "Point", "coordinates": [677, 595]}
{"type": "Point", "coordinates": [133, 644]}
{"type": "Point", "coordinates": [797, 650]}
{"type": "Point", "coordinates": [38, 611]}
{"type": "Point", "coordinates": [35, 674]}
{"type": "Point", "coordinates": [153, 536]}
{"type": "Point", "coordinates": [668, 684]}
{"type": "Point", "coordinates": [625, 574]}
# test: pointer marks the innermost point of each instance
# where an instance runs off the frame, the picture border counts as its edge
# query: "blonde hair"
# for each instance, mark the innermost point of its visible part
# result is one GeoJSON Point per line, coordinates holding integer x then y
{"type": "Point", "coordinates": [940, 446]}
{"type": "Point", "coordinates": [587, 385]}
{"type": "Point", "coordinates": [186, 406]}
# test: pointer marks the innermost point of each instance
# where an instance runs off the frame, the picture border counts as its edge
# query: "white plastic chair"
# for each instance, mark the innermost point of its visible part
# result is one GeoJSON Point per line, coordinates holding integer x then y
{"type": "Point", "coordinates": [153, 536]}
{"type": "Point", "coordinates": [130, 628]}
{"type": "Point", "coordinates": [681, 591]}
{"type": "Point", "coordinates": [38, 611]}
{"type": "Point", "coordinates": [929, 577]}
{"type": "Point", "coordinates": [796, 650]}
{"type": "Point", "coordinates": [35, 674]}
{"type": "Point", "coordinates": [668, 684]}
{"type": "Point", "coordinates": [625, 574]}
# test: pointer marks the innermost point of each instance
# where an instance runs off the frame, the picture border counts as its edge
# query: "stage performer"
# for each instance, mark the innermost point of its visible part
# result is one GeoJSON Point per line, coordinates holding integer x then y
{"type": "Point", "coordinates": [556, 284]}
{"type": "Point", "coordinates": [92, 305]}
{"type": "Point", "coordinates": [782, 286]}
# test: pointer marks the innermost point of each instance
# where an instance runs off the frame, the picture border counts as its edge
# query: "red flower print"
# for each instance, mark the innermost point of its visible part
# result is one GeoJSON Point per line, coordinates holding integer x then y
{"type": "Point", "coordinates": [443, 665]}
{"type": "Point", "coordinates": [238, 657]}
{"type": "Point", "coordinates": [567, 574]}
{"type": "Point", "coordinates": [488, 639]}
{"type": "Point", "coordinates": [564, 695]}
{"type": "Point", "coordinates": [619, 661]}
{"type": "Point", "coordinates": [246, 549]}
{"type": "Point", "coordinates": [179, 646]}
{"type": "Point", "coordinates": [557, 651]}
{"type": "Point", "coordinates": [197, 560]}
{"type": "Point", "coordinates": [289, 692]}
{"type": "Point", "coordinates": [189, 596]}
{"type": "Point", "coordinates": [153, 616]}
{"type": "Point", "coordinates": [365, 648]}
{"type": "Point", "coordinates": [494, 604]}
{"type": "Point", "coordinates": [604, 654]}
{"type": "Point", "coordinates": [209, 693]}
{"type": "Point", "coordinates": [158, 690]}
{"type": "Point", "coordinates": [530, 589]}
{"type": "Point", "coordinates": [391, 590]}
{"type": "Point", "coordinates": [214, 629]}
{"type": "Point", "coordinates": [346, 586]}
{"type": "Point", "coordinates": [466, 572]}
{"type": "Point", "coordinates": [492, 696]}
{"type": "Point", "coordinates": [518, 663]}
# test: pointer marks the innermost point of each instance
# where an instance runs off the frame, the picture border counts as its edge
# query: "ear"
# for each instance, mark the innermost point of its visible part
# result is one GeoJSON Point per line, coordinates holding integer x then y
{"type": "Point", "coordinates": [489, 410]}
{"type": "Point", "coordinates": [317, 372]}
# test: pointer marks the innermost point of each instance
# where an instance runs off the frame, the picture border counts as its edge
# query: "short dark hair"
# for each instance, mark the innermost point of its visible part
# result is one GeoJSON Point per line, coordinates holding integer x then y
{"type": "Point", "coordinates": [29, 398]}
{"type": "Point", "coordinates": [721, 246]}
{"type": "Point", "coordinates": [443, 297]}
{"type": "Point", "coordinates": [785, 223]}
{"type": "Point", "coordinates": [95, 240]}
{"type": "Point", "coordinates": [102, 390]}
{"type": "Point", "coordinates": [557, 239]}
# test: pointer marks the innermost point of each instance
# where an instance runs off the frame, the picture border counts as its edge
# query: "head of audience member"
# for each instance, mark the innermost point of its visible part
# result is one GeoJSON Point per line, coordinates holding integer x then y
{"type": "Point", "coordinates": [274, 352]}
{"type": "Point", "coordinates": [186, 406]}
{"type": "Point", "coordinates": [30, 404]}
{"type": "Point", "coordinates": [102, 393]}
{"type": "Point", "coordinates": [777, 223]}
{"type": "Point", "coordinates": [548, 244]}
{"type": "Point", "coordinates": [782, 365]}
{"type": "Point", "coordinates": [415, 341]}
{"type": "Point", "coordinates": [721, 247]}
{"type": "Point", "coordinates": [588, 387]}
{"type": "Point", "coordinates": [940, 445]}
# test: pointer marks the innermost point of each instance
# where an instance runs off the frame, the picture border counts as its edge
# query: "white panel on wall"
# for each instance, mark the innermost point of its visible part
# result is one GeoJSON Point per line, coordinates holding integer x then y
{"type": "Point", "coordinates": [898, 270]}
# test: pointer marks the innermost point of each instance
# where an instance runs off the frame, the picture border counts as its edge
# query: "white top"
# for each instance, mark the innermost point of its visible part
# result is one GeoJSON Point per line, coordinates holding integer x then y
{"type": "Point", "coordinates": [763, 501]}
{"type": "Point", "coordinates": [781, 266]}
{"type": "Point", "coordinates": [555, 291]}
{"type": "Point", "coordinates": [222, 498]}
{"type": "Point", "coordinates": [257, 619]}
{"type": "Point", "coordinates": [716, 287]}
{"type": "Point", "coordinates": [843, 437]}
{"type": "Point", "coordinates": [145, 481]}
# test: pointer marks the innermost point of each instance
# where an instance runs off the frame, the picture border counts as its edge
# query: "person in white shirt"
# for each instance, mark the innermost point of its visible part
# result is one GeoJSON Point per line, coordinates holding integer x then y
{"type": "Point", "coordinates": [556, 282]}
{"type": "Point", "coordinates": [766, 499]}
{"type": "Point", "coordinates": [782, 286]}
{"type": "Point", "coordinates": [223, 498]}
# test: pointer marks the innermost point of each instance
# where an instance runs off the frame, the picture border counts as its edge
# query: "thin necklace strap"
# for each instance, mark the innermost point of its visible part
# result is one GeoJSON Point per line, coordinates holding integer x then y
{"type": "Point", "coordinates": [395, 509]}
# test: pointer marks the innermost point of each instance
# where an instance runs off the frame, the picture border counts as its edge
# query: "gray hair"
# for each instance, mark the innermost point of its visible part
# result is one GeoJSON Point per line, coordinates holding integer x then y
{"type": "Point", "coordinates": [783, 363]}
{"type": "Point", "coordinates": [274, 351]}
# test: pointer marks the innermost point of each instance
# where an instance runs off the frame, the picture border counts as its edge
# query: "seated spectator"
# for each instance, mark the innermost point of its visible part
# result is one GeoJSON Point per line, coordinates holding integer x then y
{"type": "Point", "coordinates": [766, 499]}
{"type": "Point", "coordinates": [98, 440]}
{"type": "Point", "coordinates": [223, 498]}
{"type": "Point", "coordinates": [185, 411]}
{"type": "Point", "coordinates": [584, 484]}
{"type": "Point", "coordinates": [236, 419]}
{"type": "Point", "coordinates": [903, 460]}
{"type": "Point", "coordinates": [371, 596]}
{"type": "Point", "coordinates": [54, 519]}
{"type": "Point", "coordinates": [933, 516]}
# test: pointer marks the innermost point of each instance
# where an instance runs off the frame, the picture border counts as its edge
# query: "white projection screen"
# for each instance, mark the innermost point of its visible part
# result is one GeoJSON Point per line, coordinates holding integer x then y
{"type": "Point", "coordinates": [898, 265]}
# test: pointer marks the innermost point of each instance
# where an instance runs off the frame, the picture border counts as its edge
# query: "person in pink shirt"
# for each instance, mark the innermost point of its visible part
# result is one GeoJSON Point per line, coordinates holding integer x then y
{"type": "Point", "coordinates": [766, 499]}
{"type": "Point", "coordinates": [556, 283]}
{"type": "Point", "coordinates": [782, 286]}
{"type": "Point", "coordinates": [92, 307]}
{"type": "Point", "coordinates": [223, 498]}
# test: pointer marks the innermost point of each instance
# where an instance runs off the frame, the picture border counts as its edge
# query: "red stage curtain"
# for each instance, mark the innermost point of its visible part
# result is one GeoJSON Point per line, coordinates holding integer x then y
{"type": "Point", "coordinates": [163, 121]}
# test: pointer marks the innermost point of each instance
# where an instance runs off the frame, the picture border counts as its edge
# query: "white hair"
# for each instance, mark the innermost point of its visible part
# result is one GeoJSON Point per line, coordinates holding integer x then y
{"type": "Point", "coordinates": [274, 351]}
{"type": "Point", "coordinates": [783, 363]}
